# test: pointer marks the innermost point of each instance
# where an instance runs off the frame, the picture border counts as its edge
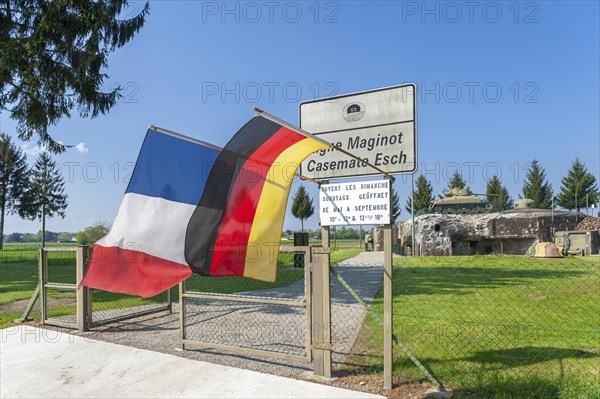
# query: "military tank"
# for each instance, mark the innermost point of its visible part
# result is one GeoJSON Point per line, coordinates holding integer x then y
{"type": "Point", "coordinates": [524, 203]}
{"type": "Point", "coordinates": [458, 201]}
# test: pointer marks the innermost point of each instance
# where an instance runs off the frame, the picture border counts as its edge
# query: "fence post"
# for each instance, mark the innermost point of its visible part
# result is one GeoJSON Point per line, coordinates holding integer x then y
{"type": "Point", "coordinates": [321, 312]}
{"type": "Point", "coordinates": [387, 307]}
{"type": "Point", "coordinates": [83, 293]}
{"type": "Point", "coordinates": [43, 276]}
{"type": "Point", "coordinates": [308, 298]}
{"type": "Point", "coordinates": [182, 335]}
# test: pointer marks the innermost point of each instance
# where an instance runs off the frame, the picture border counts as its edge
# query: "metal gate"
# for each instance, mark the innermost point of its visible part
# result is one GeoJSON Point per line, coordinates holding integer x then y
{"type": "Point", "coordinates": [247, 316]}
{"type": "Point", "coordinates": [63, 305]}
{"type": "Point", "coordinates": [57, 288]}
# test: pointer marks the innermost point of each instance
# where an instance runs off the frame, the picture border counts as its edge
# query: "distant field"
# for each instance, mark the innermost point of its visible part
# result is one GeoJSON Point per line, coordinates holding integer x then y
{"type": "Point", "coordinates": [19, 278]}
{"type": "Point", "coordinates": [13, 245]}
{"type": "Point", "coordinates": [498, 327]}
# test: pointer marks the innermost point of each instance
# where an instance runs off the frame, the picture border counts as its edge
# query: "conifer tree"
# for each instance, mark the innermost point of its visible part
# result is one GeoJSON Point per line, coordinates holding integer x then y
{"type": "Point", "coordinates": [497, 195]}
{"type": "Point", "coordinates": [54, 56]}
{"type": "Point", "coordinates": [13, 179]}
{"type": "Point", "coordinates": [46, 195]}
{"type": "Point", "coordinates": [457, 181]}
{"type": "Point", "coordinates": [423, 195]}
{"type": "Point", "coordinates": [536, 187]}
{"type": "Point", "coordinates": [395, 205]}
{"type": "Point", "coordinates": [576, 185]}
{"type": "Point", "coordinates": [302, 206]}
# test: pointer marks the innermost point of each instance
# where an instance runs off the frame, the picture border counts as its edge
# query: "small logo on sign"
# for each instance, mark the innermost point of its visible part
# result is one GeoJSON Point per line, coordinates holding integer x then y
{"type": "Point", "coordinates": [354, 112]}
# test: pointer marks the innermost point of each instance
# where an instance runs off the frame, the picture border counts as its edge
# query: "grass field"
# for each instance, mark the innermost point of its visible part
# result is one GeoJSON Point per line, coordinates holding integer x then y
{"type": "Point", "coordinates": [19, 278]}
{"type": "Point", "coordinates": [498, 327]}
{"type": "Point", "coordinates": [487, 327]}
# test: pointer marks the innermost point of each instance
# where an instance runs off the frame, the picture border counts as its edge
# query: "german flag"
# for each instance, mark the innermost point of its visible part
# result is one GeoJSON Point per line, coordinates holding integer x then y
{"type": "Point", "coordinates": [236, 228]}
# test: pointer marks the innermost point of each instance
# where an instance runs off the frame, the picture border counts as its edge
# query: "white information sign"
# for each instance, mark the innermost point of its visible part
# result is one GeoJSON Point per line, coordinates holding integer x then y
{"type": "Point", "coordinates": [379, 126]}
{"type": "Point", "coordinates": [366, 202]}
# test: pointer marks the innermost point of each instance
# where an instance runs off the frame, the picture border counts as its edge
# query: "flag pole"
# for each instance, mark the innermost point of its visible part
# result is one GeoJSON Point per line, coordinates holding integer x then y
{"type": "Point", "coordinates": [183, 137]}
{"type": "Point", "coordinates": [275, 119]}
{"type": "Point", "coordinates": [204, 143]}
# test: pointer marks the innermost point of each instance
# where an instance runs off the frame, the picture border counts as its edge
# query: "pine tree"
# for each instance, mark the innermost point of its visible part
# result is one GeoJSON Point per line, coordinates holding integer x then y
{"type": "Point", "coordinates": [54, 54]}
{"type": "Point", "coordinates": [13, 179]}
{"type": "Point", "coordinates": [46, 195]}
{"type": "Point", "coordinates": [302, 206]}
{"type": "Point", "coordinates": [536, 187]}
{"type": "Point", "coordinates": [457, 181]}
{"type": "Point", "coordinates": [576, 185]}
{"type": "Point", "coordinates": [395, 205]}
{"type": "Point", "coordinates": [423, 195]}
{"type": "Point", "coordinates": [497, 195]}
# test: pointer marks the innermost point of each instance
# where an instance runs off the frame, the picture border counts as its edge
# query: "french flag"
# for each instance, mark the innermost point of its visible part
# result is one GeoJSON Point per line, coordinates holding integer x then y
{"type": "Point", "coordinates": [143, 254]}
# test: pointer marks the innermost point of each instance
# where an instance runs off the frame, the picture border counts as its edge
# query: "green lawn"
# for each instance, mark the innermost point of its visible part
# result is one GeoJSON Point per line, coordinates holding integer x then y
{"type": "Point", "coordinates": [19, 277]}
{"type": "Point", "coordinates": [498, 327]}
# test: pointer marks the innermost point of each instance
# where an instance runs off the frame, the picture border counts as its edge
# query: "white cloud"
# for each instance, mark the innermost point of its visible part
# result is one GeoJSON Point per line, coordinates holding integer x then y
{"type": "Point", "coordinates": [32, 149]}
{"type": "Point", "coordinates": [82, 148]}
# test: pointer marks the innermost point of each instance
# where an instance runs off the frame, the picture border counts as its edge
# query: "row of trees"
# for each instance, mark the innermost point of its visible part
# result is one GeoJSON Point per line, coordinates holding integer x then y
{"type": "Point", "coordinates": [578, 186]}
{"type": "Point", "coordinates": [87, 236]}
{"type": "Point", "coordinates": [341, 233]}
{"type": "Point", "coordinates": [32, 193]}
{"type": "Point", "coordinates": [49, 236]}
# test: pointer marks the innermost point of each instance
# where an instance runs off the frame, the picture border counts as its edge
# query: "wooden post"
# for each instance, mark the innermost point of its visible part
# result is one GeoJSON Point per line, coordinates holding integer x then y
{"type": "Point", "coordinates": [83, 293]}
{"type": "Point", "coordinates": [182, 335]}
{"type": "Point", "coordinates": [43, 277]}
{"type": "Point", "coordinates": [321, 312]}
{"type": "Point", "coordinates": [308, 297]}
{"type": "Point", "coordinates": [387, 307]}
{"type": "Point", "coordinates": [321, 305]}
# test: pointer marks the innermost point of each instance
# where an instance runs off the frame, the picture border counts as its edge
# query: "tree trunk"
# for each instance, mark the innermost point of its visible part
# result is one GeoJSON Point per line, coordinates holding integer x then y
{"type": "Point", "coordinates": [2, 227]}
{"type": "Point", "coordinates": [302, 224]}
{"type": "Point", "coordinates": [43, 228]}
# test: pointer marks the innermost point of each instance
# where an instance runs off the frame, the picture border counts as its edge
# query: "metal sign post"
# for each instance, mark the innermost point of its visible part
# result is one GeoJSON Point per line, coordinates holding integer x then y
{"type": "Point", "coordinates": [321, 316]}
{"type": "Point", "coordinates": [388, 297]}
{"type": "Point", "coordinates": [388, 306]}
{"type": "Point", "coordinates": [321, 306]}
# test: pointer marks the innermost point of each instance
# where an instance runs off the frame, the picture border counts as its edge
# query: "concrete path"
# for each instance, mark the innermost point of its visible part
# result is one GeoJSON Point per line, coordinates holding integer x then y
{"type": "Point", "coordinates": [51, 364]}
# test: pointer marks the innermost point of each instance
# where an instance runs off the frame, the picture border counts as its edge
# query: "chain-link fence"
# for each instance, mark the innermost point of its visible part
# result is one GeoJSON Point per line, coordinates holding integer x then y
{"type": "Point", "coordinates": [484, 327]}
{"type": "Point", "coordinates": [357, 332]}
{"type": "Point", "coordinates": [20, 294]}
{"type": "Point", "coordinates": [110, 307]}
{"type": "Point", "coordinates": [500, 327]}
{"type": "Point", "coordinates": [250, 316]}
{"type": "Point", "coordinates": [20, 277]}
{"type": "Point", "coordinates": [60, 300]}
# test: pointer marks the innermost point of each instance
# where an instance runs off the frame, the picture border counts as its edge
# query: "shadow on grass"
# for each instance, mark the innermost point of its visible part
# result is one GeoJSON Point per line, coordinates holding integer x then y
{"type": "Point", "coordinates": [528, 355]}
{"type": "Point", "coordinates": [530, 387]}
{"type": "Point", "coordinates": [498, 374]}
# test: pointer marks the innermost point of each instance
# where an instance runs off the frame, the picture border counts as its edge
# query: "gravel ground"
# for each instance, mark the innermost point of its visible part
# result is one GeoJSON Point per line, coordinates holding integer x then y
{"type": "Point", "coordinates": [278, 328]}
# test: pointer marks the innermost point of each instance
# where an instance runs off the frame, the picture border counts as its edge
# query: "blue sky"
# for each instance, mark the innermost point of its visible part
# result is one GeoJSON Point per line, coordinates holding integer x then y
{"type": "Point", "coordinates": [500, 84]}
